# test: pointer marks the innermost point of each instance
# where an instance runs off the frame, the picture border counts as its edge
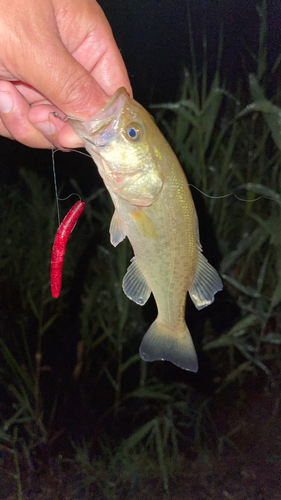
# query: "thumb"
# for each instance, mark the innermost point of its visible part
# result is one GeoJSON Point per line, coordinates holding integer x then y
{"type": "Point", "coordinates": [73, 89]}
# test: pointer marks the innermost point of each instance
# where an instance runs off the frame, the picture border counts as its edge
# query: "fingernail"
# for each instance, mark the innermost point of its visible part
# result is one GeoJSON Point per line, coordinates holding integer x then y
{"type": "Point", "coordinates": [47, 128]}
{"type": "Point", "coordinates": [6, 102]}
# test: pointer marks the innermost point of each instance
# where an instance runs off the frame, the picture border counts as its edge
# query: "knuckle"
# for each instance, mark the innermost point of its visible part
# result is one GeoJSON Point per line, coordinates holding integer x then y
{"type": "Point", "coordinates": [75, 92]}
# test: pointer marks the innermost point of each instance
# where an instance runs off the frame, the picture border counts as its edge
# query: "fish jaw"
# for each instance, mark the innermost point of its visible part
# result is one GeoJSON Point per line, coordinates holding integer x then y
{"type": "Point", "coordinates": [132, 169]}
{"type": "Point", "coordinates": [100, 129]}
{"type": "Point", "coordinates": [140, 188]}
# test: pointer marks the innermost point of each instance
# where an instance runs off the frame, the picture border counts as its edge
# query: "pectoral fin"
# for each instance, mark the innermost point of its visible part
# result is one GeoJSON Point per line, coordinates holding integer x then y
{"type": "Point", "coordinates": [145, 225]}
{"type": "Point", "coordinates": [134, 284]}
{"type": "Point", "coordinates": [206, 283]}
{"type": "Point", "coordinates": [116, 230]}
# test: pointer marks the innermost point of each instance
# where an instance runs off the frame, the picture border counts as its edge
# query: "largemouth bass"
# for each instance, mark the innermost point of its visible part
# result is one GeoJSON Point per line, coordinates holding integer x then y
{"type": "Point", "coordinates": [155, 210]}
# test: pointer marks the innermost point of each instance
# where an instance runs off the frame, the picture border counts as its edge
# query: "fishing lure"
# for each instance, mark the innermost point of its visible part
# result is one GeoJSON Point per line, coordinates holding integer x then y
{"type": "Point", "coordinates": [58, 251]}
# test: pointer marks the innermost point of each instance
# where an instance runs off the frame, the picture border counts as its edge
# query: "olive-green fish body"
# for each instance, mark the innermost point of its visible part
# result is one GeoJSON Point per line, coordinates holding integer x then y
{"type": "Point", "coordinates": [155, 210]}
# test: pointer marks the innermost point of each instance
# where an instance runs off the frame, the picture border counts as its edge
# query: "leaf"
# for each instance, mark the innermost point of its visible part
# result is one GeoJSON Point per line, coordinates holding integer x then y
{"type": "Point", "coordinates": [244, 367]}
{"type": "Point", "coordinates": [272, 338]}
{"type": "Point", "coordinates": [272, 114]}
{"type": "Point", "coordinates": [139, 435]}
{"type": "Point", "coordinates": [145, 393]}
{"type": "Point", "coordinates": [247, 290]}
{"type": "Point", "coordinates": [276, 297]}
{"type": "Point", "coordinates": [129, 362]}
{"type": "Point", "coordinates": [263, 190]}
{"type": "Point", "coordinates": [237, 330]}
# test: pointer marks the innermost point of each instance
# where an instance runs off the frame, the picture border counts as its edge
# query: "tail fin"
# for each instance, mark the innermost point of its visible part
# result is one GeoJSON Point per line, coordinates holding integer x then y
{"type": "Point", "coordinates": [160, 343]}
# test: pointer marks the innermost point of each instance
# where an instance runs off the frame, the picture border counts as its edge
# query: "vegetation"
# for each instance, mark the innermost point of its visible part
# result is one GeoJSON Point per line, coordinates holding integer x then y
{"type": "Point", "coordinates": [75, 394]}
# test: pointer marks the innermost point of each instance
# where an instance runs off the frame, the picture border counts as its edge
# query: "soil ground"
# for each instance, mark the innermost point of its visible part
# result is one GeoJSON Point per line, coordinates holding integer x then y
{"type": "Point", "coordinates": [245, 464]}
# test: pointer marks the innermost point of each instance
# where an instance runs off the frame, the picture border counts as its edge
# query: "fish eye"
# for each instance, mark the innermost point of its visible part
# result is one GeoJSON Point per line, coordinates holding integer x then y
{"type": "Point", "coordinates": [134, 132]}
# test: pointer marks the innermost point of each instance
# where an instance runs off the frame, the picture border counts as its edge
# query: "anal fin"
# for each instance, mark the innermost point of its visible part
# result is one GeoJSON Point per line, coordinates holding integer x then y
{"type": "Point", "coordinates": [134, 284]}
{"type": "Point", "coordinates": [206, 283]}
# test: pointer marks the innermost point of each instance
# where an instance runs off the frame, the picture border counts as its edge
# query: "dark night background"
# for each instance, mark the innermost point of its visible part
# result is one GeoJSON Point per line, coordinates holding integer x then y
{"type": "Point", "coordinates": [154, 39]}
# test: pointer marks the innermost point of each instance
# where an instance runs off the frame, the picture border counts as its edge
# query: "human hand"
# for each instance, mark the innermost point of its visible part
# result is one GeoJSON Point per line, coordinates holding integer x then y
{"type": "Point", "coordinates": [55, 55]}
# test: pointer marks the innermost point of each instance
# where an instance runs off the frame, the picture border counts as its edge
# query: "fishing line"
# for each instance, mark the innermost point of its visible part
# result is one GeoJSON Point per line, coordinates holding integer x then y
{"type": "Point", "coordinates": [247, 201]}
{"type": "Point", "coordinates": [54, 173]}
{"type": "Point", "coordinates": [54, 169]}
{"type": "Point", "coordinates": [76, 151]}
{"type": "Point", "coordinates": [69, 196]}
{"type": "Point", "coordinates": [226, 195]}
{"type": "Point", "coordinates": [208, 195]}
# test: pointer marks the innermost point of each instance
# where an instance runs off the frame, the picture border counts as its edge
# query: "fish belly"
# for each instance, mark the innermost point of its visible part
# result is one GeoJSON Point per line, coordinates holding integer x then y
{"type": "Point", "coordinates": [167, 259]}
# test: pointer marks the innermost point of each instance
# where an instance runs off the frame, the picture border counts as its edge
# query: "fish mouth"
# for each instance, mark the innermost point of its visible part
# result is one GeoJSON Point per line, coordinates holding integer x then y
{"type": "Point", "coordinates": [104, 125]}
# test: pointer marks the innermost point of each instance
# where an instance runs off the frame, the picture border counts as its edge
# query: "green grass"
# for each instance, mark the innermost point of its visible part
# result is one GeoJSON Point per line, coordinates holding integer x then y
{"type": "Point", "coordinates": [235, 161]}
{"type": "Point", "coordinates": [229, 146]}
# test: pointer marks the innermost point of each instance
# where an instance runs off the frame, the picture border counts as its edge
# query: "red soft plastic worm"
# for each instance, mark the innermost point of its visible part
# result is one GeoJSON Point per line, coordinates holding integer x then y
{"type": "Point", "coordinates": [58, 251]}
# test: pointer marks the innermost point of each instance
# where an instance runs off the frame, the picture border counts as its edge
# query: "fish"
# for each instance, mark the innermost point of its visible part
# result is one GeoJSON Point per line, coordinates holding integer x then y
{"type": "Point", "coordinates": [155, 210]}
